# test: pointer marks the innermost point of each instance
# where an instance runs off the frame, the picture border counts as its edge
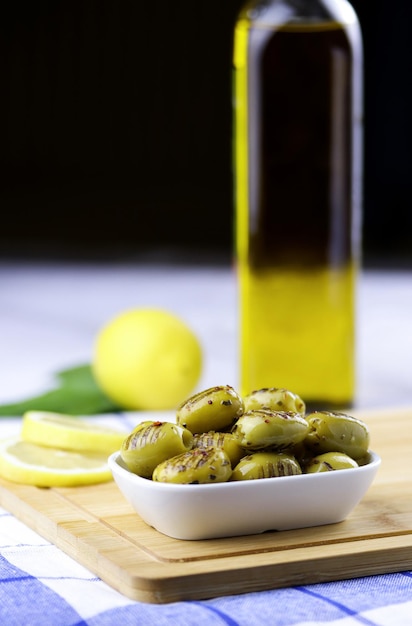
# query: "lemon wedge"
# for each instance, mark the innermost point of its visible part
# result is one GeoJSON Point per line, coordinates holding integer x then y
{"type": "Point", "coordinates": [31, 464]}
{"type": "Point", "coordinates": [57, 430]}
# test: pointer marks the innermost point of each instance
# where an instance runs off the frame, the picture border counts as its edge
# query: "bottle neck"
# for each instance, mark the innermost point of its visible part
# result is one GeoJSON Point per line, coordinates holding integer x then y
{"type": "Point", "coordinates": [264, 13]}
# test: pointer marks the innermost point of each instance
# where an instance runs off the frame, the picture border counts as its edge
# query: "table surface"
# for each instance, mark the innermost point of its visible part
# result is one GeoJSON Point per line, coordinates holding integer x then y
{"type": "Point", "coordinates": [49, 316]}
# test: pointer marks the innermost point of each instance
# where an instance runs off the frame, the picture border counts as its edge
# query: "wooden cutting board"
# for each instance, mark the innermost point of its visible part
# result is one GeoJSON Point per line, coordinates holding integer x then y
{"type": "Point", "coordinates": [96, 526]}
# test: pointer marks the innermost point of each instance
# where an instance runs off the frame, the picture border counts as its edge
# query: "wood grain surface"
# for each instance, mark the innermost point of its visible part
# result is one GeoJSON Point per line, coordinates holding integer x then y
{"type": "Point", "coordinates": [98, 528]}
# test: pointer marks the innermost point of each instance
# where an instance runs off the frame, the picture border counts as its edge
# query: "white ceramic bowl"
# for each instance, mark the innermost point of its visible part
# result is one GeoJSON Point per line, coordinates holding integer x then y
{"type": "Point", "coordinates": [244, 507]}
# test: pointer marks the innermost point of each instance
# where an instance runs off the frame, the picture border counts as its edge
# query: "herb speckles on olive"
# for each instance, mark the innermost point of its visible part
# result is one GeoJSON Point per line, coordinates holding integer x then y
{"type": "Point", "coordinates": [329, 462]}
{"type": "Point", "coordinates": [274, 398]}
{"type": "Point", "coordinates": [151, 443]}
{"type": "Point", "coordinates": [226, 441]}
{"type": "Point", "coordinates": [330, 431]}
{"type": "Point", "coordinates": [263, 428]}
{"type": "Point", "coordinates": [200, 465]}
{"type": "Point", "coordinates": [266, 465]}
{"type": "Point", "coordinates": [215, 408]}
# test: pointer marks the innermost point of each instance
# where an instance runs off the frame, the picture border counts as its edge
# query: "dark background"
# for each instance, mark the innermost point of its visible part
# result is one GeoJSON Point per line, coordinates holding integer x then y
{"type": "Point", "coordinates": [115, 131]}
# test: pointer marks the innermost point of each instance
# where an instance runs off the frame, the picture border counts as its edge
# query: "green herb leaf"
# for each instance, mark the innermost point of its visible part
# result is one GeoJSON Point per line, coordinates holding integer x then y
{"type": "Point", "coordinates": [77, 393]}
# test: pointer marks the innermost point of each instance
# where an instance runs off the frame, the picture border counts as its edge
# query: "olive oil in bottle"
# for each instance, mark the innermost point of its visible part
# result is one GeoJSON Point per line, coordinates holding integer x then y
{"type": "Point", "coordinates": [298, 162]}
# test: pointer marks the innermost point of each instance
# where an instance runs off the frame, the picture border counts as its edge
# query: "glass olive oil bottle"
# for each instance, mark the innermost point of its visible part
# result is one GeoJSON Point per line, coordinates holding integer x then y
{"type": "Point", "coordinates": [298, 176]}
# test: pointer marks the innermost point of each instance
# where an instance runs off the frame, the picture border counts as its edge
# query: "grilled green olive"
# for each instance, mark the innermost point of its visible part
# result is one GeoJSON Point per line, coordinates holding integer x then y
{"type": "Point", "coordinates": [263, 428]}
{"type": "Point", "coordinates": [198, 466]}
{"type": "Point", "coordinates": [337, 432]}
{"type": "Point", "coordinates": [330, 461]}
{"type": "Point", "coordinates": [275, 399]}
{"type": "Point", "coordinates": [266, 465]}
{"type": "Point", "coordinates": [216, 408]}
{"type": "Point", "coordinates": [226, 441]}
{"type": "Point", "coordinates": [150, 443]}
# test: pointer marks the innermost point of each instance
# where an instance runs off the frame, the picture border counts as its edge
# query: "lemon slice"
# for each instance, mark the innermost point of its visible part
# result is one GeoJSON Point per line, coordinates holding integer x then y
{"type": "Point", "coordinates": [57, 430]}
{"type": "Point", "coordinates": [31, 464]}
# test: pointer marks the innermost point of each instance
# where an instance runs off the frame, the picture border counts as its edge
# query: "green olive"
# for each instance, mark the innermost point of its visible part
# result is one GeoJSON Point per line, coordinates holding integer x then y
{"type": "Point", "coordinates": [226, 441]}
{"type": "Point", "coordinates": [266, 465]}
{"type": "Point", "coordinates": [275, 399]}
{"type": "Point", "coordinates": [150, 443]}
{"type": "Point", "coordinates": [337, 432]}
{"type": "Point", "coordinates": [216, 408]}
{"type": "Point", "coordinates": [198, 466]}
{"type": "Point", "coordinates": [330, 461]}
{"type": "Point", "coordinates": [264, 428]}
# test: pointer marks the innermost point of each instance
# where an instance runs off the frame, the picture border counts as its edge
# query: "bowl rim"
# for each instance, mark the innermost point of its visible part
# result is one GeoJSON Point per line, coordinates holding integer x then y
{"type": "Point", "coordinates": [121, 469]}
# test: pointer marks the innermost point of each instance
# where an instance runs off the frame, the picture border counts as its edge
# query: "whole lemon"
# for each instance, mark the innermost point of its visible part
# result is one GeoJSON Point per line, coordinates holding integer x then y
{"type": "Point", "coordinates": [147, 359]}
